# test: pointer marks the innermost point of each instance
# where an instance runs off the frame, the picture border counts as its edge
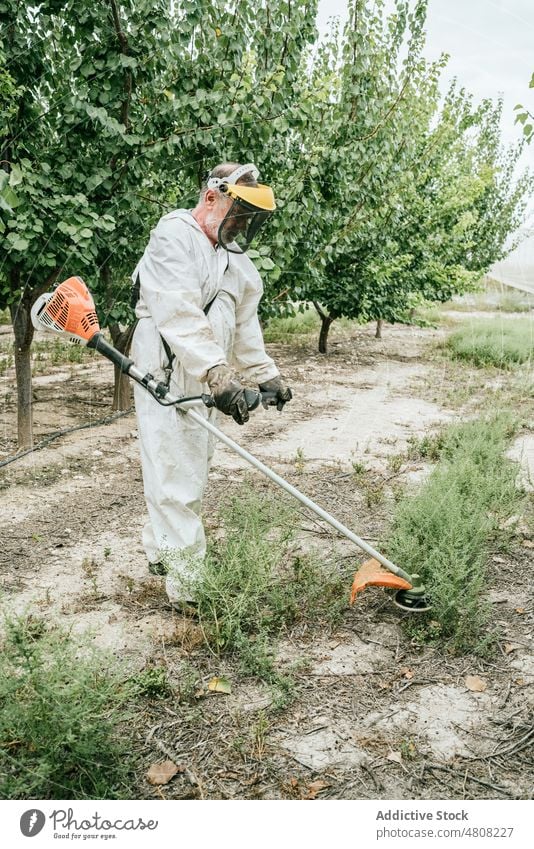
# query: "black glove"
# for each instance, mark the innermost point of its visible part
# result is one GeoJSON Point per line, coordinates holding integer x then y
{"type": "Point", "coordinates": [279, 394]}
{"type": "Point", "coordinates": [228, 393]}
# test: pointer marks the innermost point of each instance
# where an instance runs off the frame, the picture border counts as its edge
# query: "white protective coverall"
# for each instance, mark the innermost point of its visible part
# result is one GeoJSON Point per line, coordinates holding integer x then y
{"type": "Point", "coordinates": [180, 273]}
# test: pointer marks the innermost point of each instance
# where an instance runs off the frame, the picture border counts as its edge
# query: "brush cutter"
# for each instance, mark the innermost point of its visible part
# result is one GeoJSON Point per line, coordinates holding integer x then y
{"type": "Point", "coordinates": [69, 311]}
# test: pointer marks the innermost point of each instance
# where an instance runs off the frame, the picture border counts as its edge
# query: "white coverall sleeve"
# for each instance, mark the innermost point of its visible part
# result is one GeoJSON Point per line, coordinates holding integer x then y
{"type": "Point", "coordinates": [171, 291]}
{"type": "Point", "coordinates": [250, 356]}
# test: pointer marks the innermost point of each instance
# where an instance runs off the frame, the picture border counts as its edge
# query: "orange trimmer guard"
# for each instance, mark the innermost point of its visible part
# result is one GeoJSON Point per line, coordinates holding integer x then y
{"type": "Point", "coordinates": [372, 574]}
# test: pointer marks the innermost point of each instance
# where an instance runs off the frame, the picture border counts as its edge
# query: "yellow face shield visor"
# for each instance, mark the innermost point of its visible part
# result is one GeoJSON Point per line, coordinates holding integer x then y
{"type": "Point", "coordinates": [252, 206]}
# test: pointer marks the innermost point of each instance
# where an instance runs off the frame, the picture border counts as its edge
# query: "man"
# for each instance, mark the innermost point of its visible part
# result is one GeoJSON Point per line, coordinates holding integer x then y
{"type": "Point", "coordinates": [197, 310]}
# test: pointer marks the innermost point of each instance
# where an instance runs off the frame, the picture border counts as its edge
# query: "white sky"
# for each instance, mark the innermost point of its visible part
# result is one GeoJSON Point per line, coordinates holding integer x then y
{"type": "Point", "coordinates": [491, 47]}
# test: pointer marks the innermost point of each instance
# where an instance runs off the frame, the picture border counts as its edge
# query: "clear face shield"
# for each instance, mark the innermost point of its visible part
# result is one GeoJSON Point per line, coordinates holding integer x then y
{"type": "Point", "coordinates": [240, 225]}
{"type": "Point", "coordinates": [252, 205]}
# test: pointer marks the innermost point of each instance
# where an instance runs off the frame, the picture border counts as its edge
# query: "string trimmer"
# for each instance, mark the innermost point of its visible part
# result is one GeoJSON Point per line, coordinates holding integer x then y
{"type": "Point", "coordinates": [69, 311]}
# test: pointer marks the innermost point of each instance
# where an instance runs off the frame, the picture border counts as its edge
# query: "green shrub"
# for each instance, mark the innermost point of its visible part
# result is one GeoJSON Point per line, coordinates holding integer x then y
{"type": "Point", "coordinates": [253, 585]}
{"type": "Point", "coordinates": [497, 342]}
{"type": "Point", "coordinates": [445, 532]}
{"type": "Point", "coordinates": [152, 682]}
{"type": "Point", "coordinates": [60, 705]}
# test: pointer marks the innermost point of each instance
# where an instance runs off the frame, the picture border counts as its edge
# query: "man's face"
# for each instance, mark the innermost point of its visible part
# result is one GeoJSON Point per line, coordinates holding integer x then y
{"type": "Point", "coordinates": [237, 223]}
{"type": "Point", "coordinates": [217, 207]}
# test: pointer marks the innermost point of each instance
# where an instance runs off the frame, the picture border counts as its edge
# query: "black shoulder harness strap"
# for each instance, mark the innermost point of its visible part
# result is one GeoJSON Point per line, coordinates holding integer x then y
{"type": "Point", "coordinates": [136, 289]}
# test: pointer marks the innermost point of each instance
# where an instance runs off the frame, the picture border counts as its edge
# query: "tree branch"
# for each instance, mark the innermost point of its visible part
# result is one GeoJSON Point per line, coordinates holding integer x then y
{"type": "Point", "coordinates": [319, 310]}
{"type": "Point", "coordinates": [128, 80]}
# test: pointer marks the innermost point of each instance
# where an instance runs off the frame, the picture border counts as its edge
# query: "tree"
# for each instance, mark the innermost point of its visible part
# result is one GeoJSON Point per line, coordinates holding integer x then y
{"type": "Point", "coordinates": [112, 109]}
{"type": "Point", "coordinates": [400, 200]}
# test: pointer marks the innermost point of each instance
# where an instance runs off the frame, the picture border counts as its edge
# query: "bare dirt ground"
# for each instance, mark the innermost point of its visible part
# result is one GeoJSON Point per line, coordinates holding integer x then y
{"type": "Point", "coordinates": [373, 714]}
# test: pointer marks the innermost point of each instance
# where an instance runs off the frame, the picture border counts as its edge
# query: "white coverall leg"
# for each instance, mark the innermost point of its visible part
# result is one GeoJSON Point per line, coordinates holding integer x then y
{"type": "Point", "coordinates": [180, 273]}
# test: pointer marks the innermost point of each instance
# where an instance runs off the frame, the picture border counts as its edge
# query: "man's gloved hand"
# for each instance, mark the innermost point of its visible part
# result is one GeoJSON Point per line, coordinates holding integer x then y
{"type": "Point", "coordinates": [280, 394]}
{"type": "Point", "coordinates": [228, 393]}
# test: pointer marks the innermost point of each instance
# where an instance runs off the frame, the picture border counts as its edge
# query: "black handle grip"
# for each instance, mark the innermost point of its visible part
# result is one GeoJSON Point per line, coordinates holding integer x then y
{"type": "Point", "coordinates": [252, 397]}
{"type": "Point", "coordinates": [269, 399]}
{"type": "Point", "coordinates": [99, 343]}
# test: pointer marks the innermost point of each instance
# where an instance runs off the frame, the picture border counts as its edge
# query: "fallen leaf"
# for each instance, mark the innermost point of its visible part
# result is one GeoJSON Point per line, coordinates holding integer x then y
{"type": "Point", "coordinates": [406, 673]}
{"type": "Point", "coordinates": [162, 773]}
{"type": "Point", "coordinates": [220, 685]}
{"type": "Point", "coordinates": [292, 788]}
{"type": "Point", "coordinates": [510, 647]}
{"type": "Point", "coordinates": [475, 684]}
{"type": "Point", "coordinates": [520, 610]}
{"type": "Point", "coordinates": [527, 543]}
{"type": "Point", "coordinates": [520, 682]}
{"type": "Point", "coordinates": [315, 787]}
{"type": "Point", "coordinates": [394, 756]}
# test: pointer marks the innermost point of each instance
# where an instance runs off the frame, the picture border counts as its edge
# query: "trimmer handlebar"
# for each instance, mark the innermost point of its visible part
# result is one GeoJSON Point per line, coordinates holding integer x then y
{"type": "Point", "coordinates": [253, 399]}
{"type": "Point", "coordinates": [160, 390]}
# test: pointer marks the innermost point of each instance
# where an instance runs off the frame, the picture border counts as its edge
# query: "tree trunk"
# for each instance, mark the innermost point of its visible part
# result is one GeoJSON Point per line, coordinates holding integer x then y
{"type": "Point", "coordinates": [23, 330]}
{"type": "Point", "coordinates": [122, 389]}
{"type": "Point", "coordinates": [326, 321]}
{"type": "Point", "coordinates": [378, 333]}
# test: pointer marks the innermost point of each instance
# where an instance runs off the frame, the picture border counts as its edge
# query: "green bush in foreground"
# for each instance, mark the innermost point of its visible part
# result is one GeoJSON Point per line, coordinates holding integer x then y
{"type": "Point", "coordinates": [496, 342]}
{"type": "Point", "coordinates": [60, 705]}
{"type": "Point", "coordinates": [253, 584]}
{"type": "Point", "coordinates": [445, 532]}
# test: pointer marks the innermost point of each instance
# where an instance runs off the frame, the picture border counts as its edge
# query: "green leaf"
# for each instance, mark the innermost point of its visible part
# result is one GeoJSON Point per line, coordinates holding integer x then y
{"type": "Point", "coordinates": [220, 685]}
{"type": "Point", "coordinates": [9, 197]}
{"type": "Point", "coordinates": [127, 61]}
{"type": "Point", "coordinates": [18, 243]}
{"type": "Point", "coordinates": [15, 178]}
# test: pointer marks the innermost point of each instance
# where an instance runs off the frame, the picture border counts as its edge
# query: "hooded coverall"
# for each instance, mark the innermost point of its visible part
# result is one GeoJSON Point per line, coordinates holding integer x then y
{"type": "Point", "coordinates": [180, 273]}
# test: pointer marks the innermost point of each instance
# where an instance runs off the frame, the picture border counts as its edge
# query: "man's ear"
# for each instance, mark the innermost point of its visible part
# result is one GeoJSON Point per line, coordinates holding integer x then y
{"type": "Point", "coordinates": [210, 198]}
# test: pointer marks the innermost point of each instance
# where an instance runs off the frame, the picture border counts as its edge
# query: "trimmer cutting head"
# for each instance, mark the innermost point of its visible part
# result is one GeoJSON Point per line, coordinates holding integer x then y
{"type": "Point", "coordinates": [412, 602]}
{"type": "Point", "coordinates": [410, 595]}
{"type": "Point", "coordinates": [68, 311]}
{"type": "Point", "coordinates": [414, 599]}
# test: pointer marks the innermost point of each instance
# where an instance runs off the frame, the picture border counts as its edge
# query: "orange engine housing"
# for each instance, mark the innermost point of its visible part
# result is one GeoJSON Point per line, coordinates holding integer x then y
{"type": "Point", "coordinates": [71, 309]}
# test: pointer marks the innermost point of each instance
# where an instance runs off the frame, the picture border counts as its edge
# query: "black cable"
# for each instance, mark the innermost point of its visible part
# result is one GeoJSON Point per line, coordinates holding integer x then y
{"type": "Point", "coordinates": [173, 403]}
{"type": "Point", "coordinates": [58, 433]}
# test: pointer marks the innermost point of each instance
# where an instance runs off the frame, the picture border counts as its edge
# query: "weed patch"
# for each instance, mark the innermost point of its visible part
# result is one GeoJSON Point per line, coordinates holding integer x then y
{"type": "Point", "coordinates": [60, 705]}
{"type": "Point", "coordinates": [254, 585]}
{"type": "Point", "coordinates": [504, 343]}
{"type": "Point", "coordinates": [445, 532]}
{"type": "Point", "coordinates": [152, 683]}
